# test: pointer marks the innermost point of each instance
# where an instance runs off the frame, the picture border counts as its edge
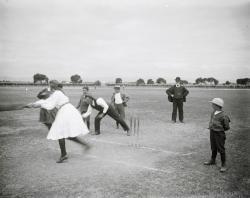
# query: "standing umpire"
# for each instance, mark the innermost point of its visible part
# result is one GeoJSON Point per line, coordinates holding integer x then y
{"type": "Point", "coordinates": [177, 94]}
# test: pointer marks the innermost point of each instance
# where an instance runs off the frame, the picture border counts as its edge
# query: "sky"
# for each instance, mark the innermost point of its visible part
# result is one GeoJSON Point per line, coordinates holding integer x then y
{"type": "Point", "coordinates": [106, 39]}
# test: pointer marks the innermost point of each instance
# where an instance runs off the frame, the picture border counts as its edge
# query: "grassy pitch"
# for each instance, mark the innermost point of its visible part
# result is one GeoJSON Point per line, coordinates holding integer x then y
{"type": "Point", "coordinates": [165, 160]}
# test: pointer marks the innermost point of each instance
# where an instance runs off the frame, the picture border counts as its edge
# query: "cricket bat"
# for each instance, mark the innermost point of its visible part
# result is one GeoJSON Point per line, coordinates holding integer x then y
{"type": "Point", "coordinates": [12, 107]}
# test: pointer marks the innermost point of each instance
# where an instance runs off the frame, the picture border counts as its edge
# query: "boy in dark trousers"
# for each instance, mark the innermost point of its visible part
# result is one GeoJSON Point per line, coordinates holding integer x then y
{"type": "Point", "coordinates": [219, 123]}
{"type": "Point", "coordinates": [177, 94]}
{"type": "Point", "coordinates": [84, 104]}
{"type": "Point", "coordinates": [119, 101]}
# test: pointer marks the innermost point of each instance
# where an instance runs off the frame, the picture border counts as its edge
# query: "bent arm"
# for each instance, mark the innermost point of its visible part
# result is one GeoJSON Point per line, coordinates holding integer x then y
{"type": "Point", "coordinates": [48, 104]}
{"type": "Point", "coordinates": [186, 92]}
{"type": "Point", "coordinates": [170, 91]}
{"type": "Point", "coordinates": [88, 113]}
{"type": "Point", "coordinates": [226, 123]}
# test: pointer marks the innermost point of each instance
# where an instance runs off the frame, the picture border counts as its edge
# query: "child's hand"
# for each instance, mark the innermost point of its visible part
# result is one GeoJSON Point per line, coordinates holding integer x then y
{"type": "Point", "coordinates": [84, 116]}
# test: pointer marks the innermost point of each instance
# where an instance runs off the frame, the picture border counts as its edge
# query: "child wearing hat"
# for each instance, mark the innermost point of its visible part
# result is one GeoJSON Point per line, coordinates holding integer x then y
{"type": "Point", "coordinates": [219, 123]}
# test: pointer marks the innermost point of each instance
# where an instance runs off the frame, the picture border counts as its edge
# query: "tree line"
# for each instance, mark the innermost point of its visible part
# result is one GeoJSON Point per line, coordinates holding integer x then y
{"type": "Point", "coordinates": [76, 79]}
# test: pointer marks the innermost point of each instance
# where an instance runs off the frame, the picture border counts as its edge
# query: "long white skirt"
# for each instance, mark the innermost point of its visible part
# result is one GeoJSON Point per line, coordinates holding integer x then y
{"type": "Point", "coordinates": [68, 123]}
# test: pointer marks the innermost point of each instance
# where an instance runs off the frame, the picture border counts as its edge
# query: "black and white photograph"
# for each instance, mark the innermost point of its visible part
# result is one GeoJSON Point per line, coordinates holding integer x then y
{"type": "Point", "coordinates": [125, 99]}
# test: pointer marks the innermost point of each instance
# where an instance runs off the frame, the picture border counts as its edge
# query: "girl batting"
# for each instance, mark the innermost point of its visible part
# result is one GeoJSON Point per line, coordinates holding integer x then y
{"type": "Point", "coordinates": [68, 122]}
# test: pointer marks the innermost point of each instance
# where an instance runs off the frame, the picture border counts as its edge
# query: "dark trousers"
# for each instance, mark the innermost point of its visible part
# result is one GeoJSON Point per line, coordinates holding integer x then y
{"type": "Point", "coordinates": [77, 140]}
{"type": "Point", "coordinates": [113, 114]}
{"type": "Point", "coordinates": [217, 141]}
{"type": "Point", "coordinates": [121, 111]}
{"type": "Point", "coordinates": [62, 147]}
{"type": "Point", "coordinates": [60, 141]}
{"type": "Point", "coordinates": [177, 104]}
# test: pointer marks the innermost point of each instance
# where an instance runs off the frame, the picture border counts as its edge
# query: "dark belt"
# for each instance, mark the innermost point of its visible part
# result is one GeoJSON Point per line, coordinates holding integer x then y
{"type": "Point", "coordinates": [62, 105]}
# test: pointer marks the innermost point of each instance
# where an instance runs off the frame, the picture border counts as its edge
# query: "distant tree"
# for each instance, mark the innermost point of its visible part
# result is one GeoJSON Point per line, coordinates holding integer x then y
{"type": "Point", "coordinates": [118, 80]}
{"type": "Point", "coordinates": [140, 81]}
{"type": "Point", "coordinates": [242, 81]}
{"type": "Point", "coordinates": [204, 80]}
{"type": "Point", "coordinates": [184, 81]}
{"type": "Point", "coordinates": [161, 81]}
{"type": "Point", "coordinates": [198, 80]}
{"type": "Point", "coordinates": [227, 83]}
{"type": "Point", "coordinates": [40, 78]}
{"type": "Point", "coordinates": [209, 80]}
{"type": "Point", "coordinates": [150, 82]}
{"type": "Point", "coordinates": [216, 82]}
{"type": "Point", "coordinates": [76, 79]}
{"type": "Point", "coordinates": [98, 83]}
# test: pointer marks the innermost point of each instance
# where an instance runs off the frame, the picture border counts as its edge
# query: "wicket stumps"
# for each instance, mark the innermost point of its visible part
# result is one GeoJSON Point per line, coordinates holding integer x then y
{"type": "Point", "coordinates": [135, 130]}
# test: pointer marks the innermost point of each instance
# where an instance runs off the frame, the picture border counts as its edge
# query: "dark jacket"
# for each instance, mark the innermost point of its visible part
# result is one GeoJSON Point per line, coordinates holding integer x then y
{"type": "Point", "coordinates": [46, 116]}
{"type": "Point", "coordinates": [125, 99]}
{"type": "Point", "coordinates": [219, 122]}
{"type": "Point", "coordinates": [177, 92]}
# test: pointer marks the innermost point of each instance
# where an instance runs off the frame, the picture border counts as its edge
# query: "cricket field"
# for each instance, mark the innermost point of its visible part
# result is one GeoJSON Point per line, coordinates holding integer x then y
{"type": "Point", "coordinates": [161, 159]}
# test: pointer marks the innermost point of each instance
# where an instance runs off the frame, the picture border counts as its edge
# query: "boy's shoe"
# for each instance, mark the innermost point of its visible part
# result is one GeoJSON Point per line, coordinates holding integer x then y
{"type": "Point", "coordinates": [223, 169]}
{"type": "Point", "coordinates": [128, 133]}
{"type": "Point", "coordinates": [61, 159]}
{"type": "Point", "coordinates": [95, 133]}
{"type": "Point", "coordinates": [87, 147]}
{"type": "Point", "coordinates": [210, 162]}
{"type": "Point", "coordinates": [173, 121]}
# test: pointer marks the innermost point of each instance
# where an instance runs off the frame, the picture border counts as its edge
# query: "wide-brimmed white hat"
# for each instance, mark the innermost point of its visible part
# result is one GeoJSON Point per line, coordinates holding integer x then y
{"type": "Point", "coordinates": [218, 101]}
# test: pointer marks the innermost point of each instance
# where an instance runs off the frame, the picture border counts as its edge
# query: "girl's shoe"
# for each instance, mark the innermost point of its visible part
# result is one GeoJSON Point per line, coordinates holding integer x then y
{"type": "Point", "coordinates": [210, 162]}
{"type": "Point", "coordinates": [61, 159]}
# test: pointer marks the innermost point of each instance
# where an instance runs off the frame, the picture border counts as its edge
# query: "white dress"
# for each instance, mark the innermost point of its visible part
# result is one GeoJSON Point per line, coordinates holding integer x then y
{"type": "Point", "coordinates": [68, 121]}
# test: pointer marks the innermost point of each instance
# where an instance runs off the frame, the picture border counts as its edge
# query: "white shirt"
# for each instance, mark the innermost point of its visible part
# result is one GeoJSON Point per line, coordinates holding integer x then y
{"type": "Point", "coordinates": [102, 103]}
{"type": "Point", "coordinates": [118, 98]}
{"type": "Point", "coordinates": [57, 99]}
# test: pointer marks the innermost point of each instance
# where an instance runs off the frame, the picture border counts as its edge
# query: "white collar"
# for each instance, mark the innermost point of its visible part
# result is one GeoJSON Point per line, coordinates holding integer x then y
{"type": "Point", "coordinates": [217, 112]}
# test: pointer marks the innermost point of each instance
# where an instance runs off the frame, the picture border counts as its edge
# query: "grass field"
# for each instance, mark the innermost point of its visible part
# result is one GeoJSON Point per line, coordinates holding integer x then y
{"type": "Point", "coordinates": [167, 161]}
